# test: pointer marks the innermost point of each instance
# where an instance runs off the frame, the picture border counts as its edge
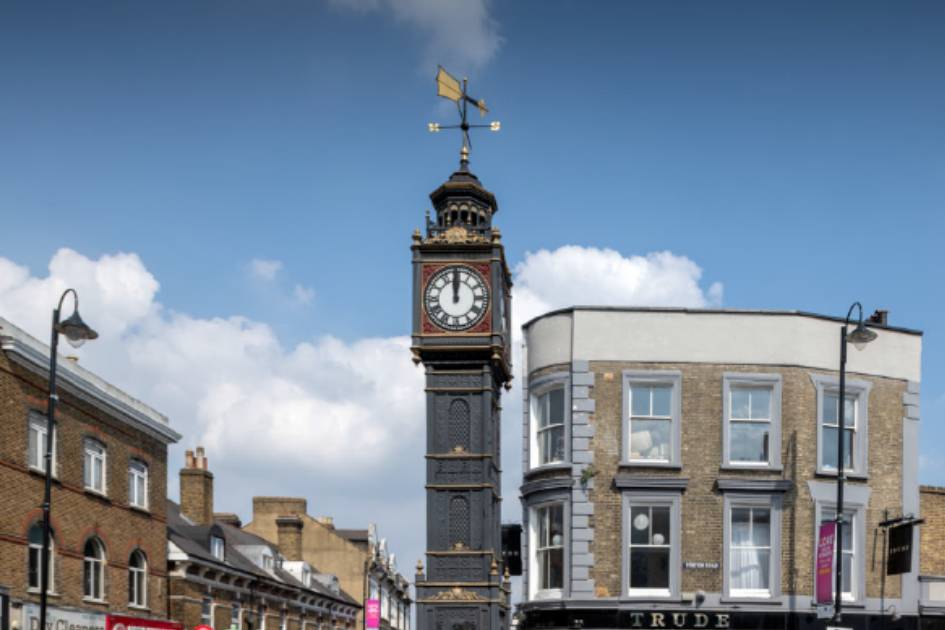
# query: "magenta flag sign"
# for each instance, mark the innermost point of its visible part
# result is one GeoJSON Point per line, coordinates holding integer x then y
{"type": "Point", "coordinates": [372, 613]}
{"type": "Point", "coordinates": [825, 552]}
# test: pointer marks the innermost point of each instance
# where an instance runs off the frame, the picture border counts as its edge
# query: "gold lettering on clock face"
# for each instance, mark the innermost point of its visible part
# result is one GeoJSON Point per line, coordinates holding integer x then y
{"type": "Point", "coordinates": [456, 297]}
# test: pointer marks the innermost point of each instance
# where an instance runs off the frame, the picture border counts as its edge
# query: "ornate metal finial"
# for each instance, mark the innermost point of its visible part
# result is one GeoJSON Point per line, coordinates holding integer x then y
{"type": "Point", "coordinates": [419, 567]}
{"type": "Point", "coordinates": [449, 87]}
{"type": "Point", "coordinates": [494, 568]}
{"type": "Point", "coordinates": [507, 575]}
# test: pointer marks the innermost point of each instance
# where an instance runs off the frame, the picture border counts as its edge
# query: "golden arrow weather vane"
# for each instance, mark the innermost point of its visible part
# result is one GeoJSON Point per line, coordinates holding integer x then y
{"type": "Point", "coordinates": [450, 87]}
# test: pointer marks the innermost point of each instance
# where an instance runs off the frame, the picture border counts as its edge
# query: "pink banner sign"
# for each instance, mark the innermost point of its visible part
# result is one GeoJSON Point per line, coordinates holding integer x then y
{"type": "Point", "coordinates": [372, 613]}
{"type": "Point", "coordinates": [825, 552]}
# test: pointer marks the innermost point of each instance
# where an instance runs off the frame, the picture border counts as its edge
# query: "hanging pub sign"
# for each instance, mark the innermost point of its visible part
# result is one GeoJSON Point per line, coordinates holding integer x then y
{"type": "Point", "coordinates": [899, 555]}
{"type": "Point", "coordinates": [512, 548]}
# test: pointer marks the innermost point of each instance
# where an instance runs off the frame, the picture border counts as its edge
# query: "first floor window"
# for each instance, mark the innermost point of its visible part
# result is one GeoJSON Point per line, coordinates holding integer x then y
{"type": "Point", "coordinates": [38, 429]}
{"type": "Point", "coordinates": [94, 473]}
{"type": "Point", "coordinates": [549, 413]}
{"type": "Point", "coordinates": [849, 577]}
{"type": "Point", "coordinates": [138, 579]}
{"type": "Point", "coordinates": [93, 582]}
{"type": "Point", "coordinates": [206, 608]}
{"type": "Point", "coordinates": [650, 549]}
{"type": "Point", "coordinates": [138, 483]}
{"type": "Point", "coordinates": [750, 551]}
{"type": "Point", "coordinates": [750, 424]}
{"type": "Point", "coordinates": [651, 422]}
{"type": "Point", "coordinates": [235, 622]}
{"type": "Point", "coordinates": [549, 547]}
{"type": "Point", "coordinates": [831, 430]}
{"type": "Point", "coordinates": [35, 560]}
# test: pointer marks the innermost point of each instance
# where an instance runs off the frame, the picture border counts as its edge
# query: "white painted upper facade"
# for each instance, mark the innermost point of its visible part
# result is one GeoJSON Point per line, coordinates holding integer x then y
{"type": "Point", "coordinates": [674, 335]}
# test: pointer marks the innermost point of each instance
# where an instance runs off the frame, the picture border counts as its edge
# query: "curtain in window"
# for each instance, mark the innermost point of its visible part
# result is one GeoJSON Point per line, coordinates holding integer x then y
{"type": "Point", "coordinates": [750, 549]}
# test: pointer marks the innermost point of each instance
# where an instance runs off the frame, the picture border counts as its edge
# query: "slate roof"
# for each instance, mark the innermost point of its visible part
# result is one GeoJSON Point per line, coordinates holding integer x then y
{"type": "Point", "coordinates": [354, 535]}
{"type": "Point", "coordinates": [194, 540]}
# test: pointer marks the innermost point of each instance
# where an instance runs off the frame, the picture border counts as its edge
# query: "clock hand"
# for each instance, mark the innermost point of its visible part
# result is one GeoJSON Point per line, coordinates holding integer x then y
{"type": "Point", "coordinates": [455, 286]}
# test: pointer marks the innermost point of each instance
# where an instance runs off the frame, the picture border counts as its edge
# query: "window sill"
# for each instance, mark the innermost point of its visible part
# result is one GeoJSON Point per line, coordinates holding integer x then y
{"type": "Point", "coordinates": [832, 474]}
{"type": "Point", "coordinates": [751, 467]}
{"type": "Point", "coordinates": [140, 608]}
{"type": "Point", "coordinates": [761, 600]}
{"type": "Point", "coordinates": [97, 494]}
{"type": "Point", "coordinates": [646, 464]}
{"type": "Point", "coordinates": [36, 591]}
{"type": "Point", "coordinates": [546, 468]}
{"type": "Point", "coordinates": [140, 509]}
{"type": "Point", "coordinates": [97, 602]}
{"type": "Point", "coordinates": [651, 597]}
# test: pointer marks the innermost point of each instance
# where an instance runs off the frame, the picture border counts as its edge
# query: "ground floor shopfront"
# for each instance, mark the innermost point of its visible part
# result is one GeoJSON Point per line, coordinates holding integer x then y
{"type": "Point", "coordinates": [26, 617]}
{"type": "Point", "coordinates": [607, 617]}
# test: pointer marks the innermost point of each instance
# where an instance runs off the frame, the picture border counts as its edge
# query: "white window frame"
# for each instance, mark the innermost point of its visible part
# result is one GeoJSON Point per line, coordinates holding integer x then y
{"type": "Point", "coordinates": [734, 380]}
{"type": "Point", "coordinates": [652, 499]}
{"type": "Point", "coordinates": [534, 572]}
{"type": "Point", "coordinates": [671, 378]}
{"type": "Point", "coordinates": [855, 502]}
{"type": "Point", "coordinates": [94, 568]}
{"type": "Point", "coordinates": [138, 470]}
{"type": "Point", "coordinates": [859, 390]}
{"type": "Point", "coordinates": [95, 453]}
{"type": "Point", "coordinates": [37, 424]}
{"type": "Point", "coordinates": [36, 549]}
{"type": "Point", "coordinates": [772, 503]}
{"type": "Point", "coordinates": [218, 547]}
{"type": "Point", "coordinates": [536, 389]}
{"type": "Point", "coordinates": [138, 577]}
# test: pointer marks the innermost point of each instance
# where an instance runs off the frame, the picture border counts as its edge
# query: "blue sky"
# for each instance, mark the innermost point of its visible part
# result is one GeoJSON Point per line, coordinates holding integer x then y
{"type": "Point", "coordinates": [794, 153]}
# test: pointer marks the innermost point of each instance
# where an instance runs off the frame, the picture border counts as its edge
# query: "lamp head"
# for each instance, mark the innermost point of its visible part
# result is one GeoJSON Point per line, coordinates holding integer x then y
{"type": "Point", "coordinates": [77, 332]}
{"type": "Point", "coordinates": [861, 336]}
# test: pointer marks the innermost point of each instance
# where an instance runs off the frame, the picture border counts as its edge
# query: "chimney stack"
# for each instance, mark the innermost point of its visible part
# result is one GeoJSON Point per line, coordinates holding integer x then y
{"type": "Point", "coordinates": [196, 488]}
{"type": "Point", "coordinates": [289, 532]}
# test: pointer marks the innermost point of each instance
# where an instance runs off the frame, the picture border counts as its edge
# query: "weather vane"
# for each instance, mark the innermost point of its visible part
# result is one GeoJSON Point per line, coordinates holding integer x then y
{"type": "Point", "coordinates": [450, 87]}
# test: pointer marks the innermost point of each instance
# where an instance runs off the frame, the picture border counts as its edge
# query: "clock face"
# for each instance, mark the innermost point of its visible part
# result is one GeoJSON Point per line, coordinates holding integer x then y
{"type": "Point", "coordinates": [456, 297]}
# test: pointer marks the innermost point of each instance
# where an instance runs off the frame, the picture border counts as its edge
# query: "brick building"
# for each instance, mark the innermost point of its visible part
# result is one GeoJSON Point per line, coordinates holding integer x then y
{"type": "Point", "coordinates": [108, 494]}
{"type": "Point", "coordinates": [364, 567]}
{"type": "Point", "coordinates": [932, 551]}
{"type": "Point", "coordinates": [678, 462]}
{"type": "Point", "coordinates": [231, 579]}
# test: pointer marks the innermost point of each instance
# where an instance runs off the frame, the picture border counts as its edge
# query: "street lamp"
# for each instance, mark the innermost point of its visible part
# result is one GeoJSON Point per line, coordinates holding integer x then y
{"type": "Point", "coordinates": [859, 338]}
{"type": "Point", "coordinates": [77, 333]}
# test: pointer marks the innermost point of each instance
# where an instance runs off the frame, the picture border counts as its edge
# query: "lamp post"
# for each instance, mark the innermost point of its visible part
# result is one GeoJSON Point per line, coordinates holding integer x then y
{"type": "Point", "coordinates": [859, 338]}
{"type": "Point", "coordinates": [77, 333]}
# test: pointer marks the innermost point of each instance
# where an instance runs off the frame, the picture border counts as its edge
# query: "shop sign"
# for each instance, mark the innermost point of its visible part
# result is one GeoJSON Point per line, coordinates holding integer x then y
{"type": "Point", "coordinates": [120, 622]}
{"type": "Point", "coordinates": [899, 557]}
{"type": "Point", "coordinates": [62, 619]}
{"type": "Point", "coordinates": [825, 549]}
{"type": "Point", "coordinates": [372, 613]}
{"type": "Point", "coordinates": [707, 620]}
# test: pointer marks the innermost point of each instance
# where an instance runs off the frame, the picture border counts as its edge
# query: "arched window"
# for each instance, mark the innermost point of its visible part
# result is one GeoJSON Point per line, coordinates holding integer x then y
{"type": "Point", "coordinates": [35, 560]}
{"type": "Point", "coordinates": [138, 579]}
{"type": "Point", "coordinates": [93, 570]}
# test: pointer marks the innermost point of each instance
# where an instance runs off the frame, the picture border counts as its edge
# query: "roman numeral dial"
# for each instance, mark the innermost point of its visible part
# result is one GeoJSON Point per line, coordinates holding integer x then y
{"type": "Point", "coordinates": [456, 297]}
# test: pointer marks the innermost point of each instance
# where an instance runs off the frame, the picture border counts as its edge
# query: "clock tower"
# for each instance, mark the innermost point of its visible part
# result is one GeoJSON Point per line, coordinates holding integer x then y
{"type": "Point", "coordinates": [461, 321]}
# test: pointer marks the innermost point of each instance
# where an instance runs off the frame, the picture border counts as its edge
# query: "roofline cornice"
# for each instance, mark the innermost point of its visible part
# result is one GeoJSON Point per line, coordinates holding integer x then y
{"type": "Point", "coordinates": [34, 356]}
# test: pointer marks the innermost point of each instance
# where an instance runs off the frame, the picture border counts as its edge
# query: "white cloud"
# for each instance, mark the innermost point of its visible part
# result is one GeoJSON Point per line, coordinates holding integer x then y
{"type": "Point", "coordinates": [263, 269]}
{"type": "Point", "coordinates": [461, 33]}
{"type": "Point", "coordinates": [302, 294]}
{"type": "Point", "coordinates": [324, 418]}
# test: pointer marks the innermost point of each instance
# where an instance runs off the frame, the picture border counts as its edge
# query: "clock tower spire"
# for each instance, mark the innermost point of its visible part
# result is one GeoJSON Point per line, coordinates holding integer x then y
{"type": "Point", "coordinates": [461, 315]}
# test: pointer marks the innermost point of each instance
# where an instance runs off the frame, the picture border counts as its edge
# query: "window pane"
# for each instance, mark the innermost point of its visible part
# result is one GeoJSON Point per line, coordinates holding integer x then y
{"type": "Point", "coordinates": [640, 400]}
{"type": "Point", "coordinates": [750, 569]}
{"type": "Point", "coordinates": [34, 448]}
{"type": "Point", "coordinates": [740, 402]}
{"type": "Point", "coordinates": [87, 471]}
{"type": "Point", "coordinates": [660, 525]}
{"type": "Point", "coordinates": [849, 412]}
{"type": "Point", "coordinates": [749, 441]}
{"type": "Point", "coordinates": [556, 520]}
{"type": "Point", "coordinates": [829, 448]}
{"type": "Point", "coordinates": [847, 578]}
{"type": "Point", "coordinates": [554, 568]}
{"type": "Point", "coordinates": [760, 403]}
{"type": "Point", "coordinates": [649, 567]}
{"type": "Point", "coordinates": [662, 400]}
{"type": "Point", "coordinates": [639, 525]}
{"type": "Point", "coordinates": [649, 439]}
{"type": "Point", "coordinates": [830, 408]}
{"type": "Point", "coordinates": [761, 527]}
{"type": "Point", "coordinates": [551, 445]}
{"type": "Point", "coordinates": [556, 406]}
{"type": "Point", "coordinates": [741, 526]}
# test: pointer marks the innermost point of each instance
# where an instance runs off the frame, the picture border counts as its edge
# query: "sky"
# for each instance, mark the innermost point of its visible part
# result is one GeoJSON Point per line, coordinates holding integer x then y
{"type": "Point", "coordinates": [232, 186]}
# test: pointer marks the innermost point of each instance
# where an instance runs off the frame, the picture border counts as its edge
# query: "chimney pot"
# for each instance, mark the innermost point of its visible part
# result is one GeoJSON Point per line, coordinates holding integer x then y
{"type": "Point", "coordinates": [196, 489]}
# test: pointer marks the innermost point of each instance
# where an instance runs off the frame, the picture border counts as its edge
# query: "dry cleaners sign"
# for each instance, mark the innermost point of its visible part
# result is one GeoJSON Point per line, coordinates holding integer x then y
{"type": "Point", "coordinates": [61, 619]}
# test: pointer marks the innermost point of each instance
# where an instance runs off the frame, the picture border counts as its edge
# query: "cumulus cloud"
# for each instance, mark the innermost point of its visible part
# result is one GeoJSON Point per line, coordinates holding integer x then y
{"type": "Point", "coordinates": [263, 269]}
{"type": "Point", "coordinates": [460, 33]}
{"type": "Point", "coordinates": [302, 294]}
{"type": "Point", "coordinates": [324, 418]}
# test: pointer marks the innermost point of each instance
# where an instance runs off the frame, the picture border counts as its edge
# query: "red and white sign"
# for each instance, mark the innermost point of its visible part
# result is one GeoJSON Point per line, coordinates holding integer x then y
{"type": "Point", "coordinates": [372, 613]}
{"type": "Point", "coordinates": [120, 622]}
